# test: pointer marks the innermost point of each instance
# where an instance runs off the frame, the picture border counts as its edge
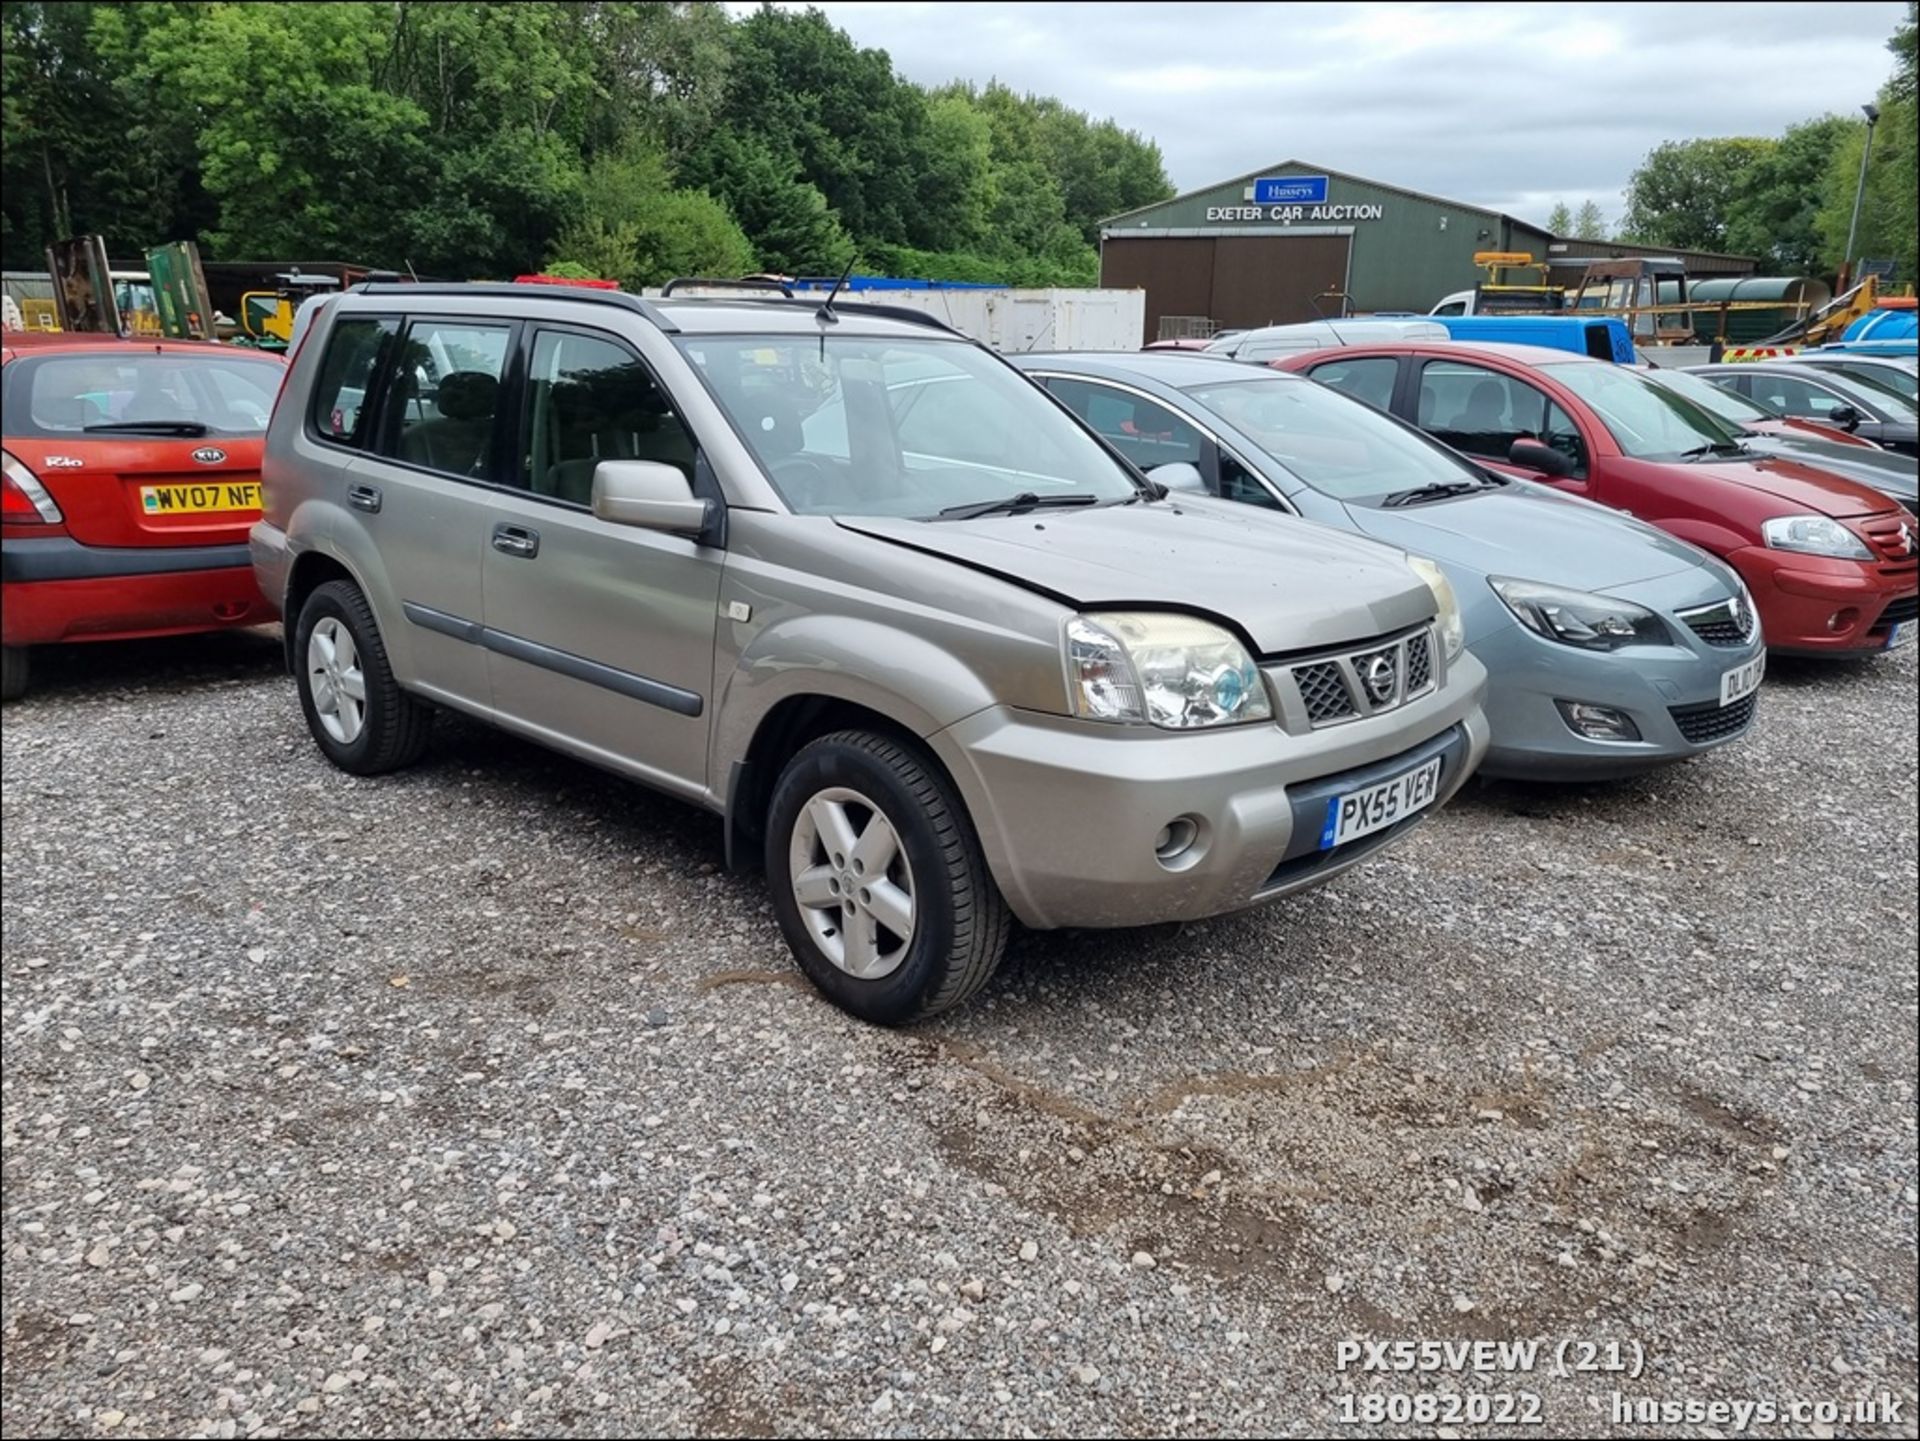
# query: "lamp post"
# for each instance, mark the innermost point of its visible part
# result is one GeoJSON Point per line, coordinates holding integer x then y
{"type": "Point", "coordinates": [1872, 112]}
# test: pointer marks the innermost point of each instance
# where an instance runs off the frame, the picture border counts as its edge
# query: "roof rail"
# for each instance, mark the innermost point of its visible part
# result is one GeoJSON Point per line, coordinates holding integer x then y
{"type": "Point", "coordinates": [842, 307]}
{"type": "Point", "coordinates": [746, 283]}
{"type": "Point", "coordinates": [617, 298]}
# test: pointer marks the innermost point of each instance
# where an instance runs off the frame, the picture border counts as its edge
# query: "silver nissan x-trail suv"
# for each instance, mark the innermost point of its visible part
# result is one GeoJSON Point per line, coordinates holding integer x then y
{"type": "Point", "coordinates": [938, 655]}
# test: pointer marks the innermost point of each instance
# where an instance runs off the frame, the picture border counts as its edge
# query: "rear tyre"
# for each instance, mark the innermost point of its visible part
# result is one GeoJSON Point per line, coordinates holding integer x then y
{"type": "Point", "coordinates": [13, 672]}
{"type": "Point", "coordinates": [878, 879]}
{"type": "Point", "coordinates": [359, 716]}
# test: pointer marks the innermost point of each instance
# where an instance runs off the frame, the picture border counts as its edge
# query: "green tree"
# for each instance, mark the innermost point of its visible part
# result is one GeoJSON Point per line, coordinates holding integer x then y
{"type": "Point", "coordinates": [1590, 223]}
{"type": "Point", "coordinates": [636, 228]}
{"type": "Point", "coordinates": [1776, 213]}
{"type": "Point", "coordinates": [787, 219]}
{"type": "Point", "coordinates": [1889, 217]}
{"type": "Point", "coordinates": [1685, 192]}
{"type": "Point", "coordinates": [1560, 219]}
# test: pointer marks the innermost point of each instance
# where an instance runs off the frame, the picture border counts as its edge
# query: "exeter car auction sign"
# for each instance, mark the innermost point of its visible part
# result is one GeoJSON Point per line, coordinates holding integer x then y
{"type": "Point", "coordinates": [1287, 198]}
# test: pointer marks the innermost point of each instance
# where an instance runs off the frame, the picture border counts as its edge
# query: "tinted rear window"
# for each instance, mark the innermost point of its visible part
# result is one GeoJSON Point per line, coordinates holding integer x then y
{"type": "Point", "coordinates": [66, 395]}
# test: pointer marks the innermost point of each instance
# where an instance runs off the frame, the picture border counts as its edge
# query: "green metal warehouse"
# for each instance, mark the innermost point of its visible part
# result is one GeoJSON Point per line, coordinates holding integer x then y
{"type": "Point", "coordinates": [1297, 241]}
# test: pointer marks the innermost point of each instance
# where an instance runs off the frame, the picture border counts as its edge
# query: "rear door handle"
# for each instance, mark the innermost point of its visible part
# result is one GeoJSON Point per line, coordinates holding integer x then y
{"type": "Point", "coordinates": [364, 497]}
{"type": "Point", "coordinates": [516, 540]}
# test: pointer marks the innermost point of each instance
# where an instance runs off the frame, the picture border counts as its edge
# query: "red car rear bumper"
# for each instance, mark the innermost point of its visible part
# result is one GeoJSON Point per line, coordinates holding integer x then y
{"type": "Point", "coordinates": [59, 590]}
{"type": "Point", "coordinates": [1811, 605]}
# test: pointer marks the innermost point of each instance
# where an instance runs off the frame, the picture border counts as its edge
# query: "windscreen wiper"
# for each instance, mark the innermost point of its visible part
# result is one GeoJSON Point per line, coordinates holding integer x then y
{"type": "Point", "coordinates": [1432, 492]}
{"type": "Point", "coordinates": [149, 427]}
{"type": "Point", "coordinates": [1718, 447]}
{"type": "Point", "coordinates": [1012, 505]}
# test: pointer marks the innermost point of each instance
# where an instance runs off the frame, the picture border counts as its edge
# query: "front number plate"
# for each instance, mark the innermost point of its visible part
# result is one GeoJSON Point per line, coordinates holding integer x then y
{"type": "Point", "coordinates": [199, 499]}
{"type": "Point", "coordinates": [1354, 815]}
{"type": "Point", "coordinates": [1743, 680]}
{"type": "Point", "coordinates": [1900, 634]}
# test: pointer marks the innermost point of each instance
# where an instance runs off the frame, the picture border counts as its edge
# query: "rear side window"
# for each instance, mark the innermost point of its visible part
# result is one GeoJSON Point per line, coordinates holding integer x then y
{"type": "Point", "coordinates": [142, 392]}
{"type": "Point", "coordinates": [1369, 380]}
{"type": "Point", "coordinates": [444, 395]}
{"type": "Point", "coordinates": [354, 351]}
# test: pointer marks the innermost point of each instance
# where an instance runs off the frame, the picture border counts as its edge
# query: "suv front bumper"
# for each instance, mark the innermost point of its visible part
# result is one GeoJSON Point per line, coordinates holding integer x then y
{"type": "Point", "coordinates": [1069, 811]}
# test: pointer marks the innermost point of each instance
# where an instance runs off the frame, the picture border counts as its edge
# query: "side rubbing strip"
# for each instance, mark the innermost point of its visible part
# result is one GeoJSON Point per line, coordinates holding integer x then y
{"type": "Point", "coordinates": [621, 682]}
{"type": "Point", "coordinates": [430, 619]}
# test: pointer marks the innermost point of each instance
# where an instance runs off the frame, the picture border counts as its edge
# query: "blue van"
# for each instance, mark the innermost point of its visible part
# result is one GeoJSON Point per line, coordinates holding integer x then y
{"type": "Point", "coordinates": [1604, 337]}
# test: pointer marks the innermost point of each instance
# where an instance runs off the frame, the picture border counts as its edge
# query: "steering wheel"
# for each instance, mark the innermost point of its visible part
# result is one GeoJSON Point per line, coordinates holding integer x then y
{"type": "Point", "coordinates": [800, 473]}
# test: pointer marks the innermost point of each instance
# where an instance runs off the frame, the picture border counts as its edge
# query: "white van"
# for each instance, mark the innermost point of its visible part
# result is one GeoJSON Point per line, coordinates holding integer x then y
{"type": "Point", "coordinates": [1271, 342]}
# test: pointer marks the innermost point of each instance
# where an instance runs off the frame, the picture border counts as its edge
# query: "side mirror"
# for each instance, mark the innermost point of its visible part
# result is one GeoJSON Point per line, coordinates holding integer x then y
{"type": "Point", "coordinates": [1846, 417]}
{"type": "Point", "coordinates": [1179, 475]}
{"type": "Point", "coordinates": [648, 494]}
{"type": "Point", "coordinates": [1532, 455]}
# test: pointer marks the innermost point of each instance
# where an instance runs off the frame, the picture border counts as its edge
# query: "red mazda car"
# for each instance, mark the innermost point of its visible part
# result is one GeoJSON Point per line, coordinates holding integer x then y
{"type": "Point", "coordinates": [1831, 563]}
{"type": "Point", "coordinates": [132, 474]}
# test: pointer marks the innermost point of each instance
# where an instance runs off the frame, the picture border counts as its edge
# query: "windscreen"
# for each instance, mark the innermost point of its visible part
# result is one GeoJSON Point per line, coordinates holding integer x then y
{"type": "Point", "coordinates": [198, 393]}
{"type": "Point", "coordinates": [1337, 445]}
{"type": "Point", "coordinates": [1645, 420]}
{"type": "Point", "coordinates": [898, 426]}
{"type": "Point", "coordinates": [1735, 409]}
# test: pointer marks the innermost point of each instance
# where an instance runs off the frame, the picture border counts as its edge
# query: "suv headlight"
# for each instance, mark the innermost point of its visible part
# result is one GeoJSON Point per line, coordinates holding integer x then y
{"type": "Point", "coordinates": [1574, 617]}
{"type": "Point", "coordinates": [1814, 535]}
{"type": "Point", "coordinates": [1163, 668]}
{"type": "Point", "coordinates": [1453, 631]}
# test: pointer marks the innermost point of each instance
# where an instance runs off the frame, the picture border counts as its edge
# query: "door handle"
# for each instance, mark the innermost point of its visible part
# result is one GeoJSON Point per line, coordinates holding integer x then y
{"type": "Point", "coordinates": [364, 497]}
{"type": "Point", "coordinates": [516, 540]}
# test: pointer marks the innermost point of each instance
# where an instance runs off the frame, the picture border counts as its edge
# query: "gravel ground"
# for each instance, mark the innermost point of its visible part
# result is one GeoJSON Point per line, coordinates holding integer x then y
{"type": "Point", "coordinates": [482, 1098]}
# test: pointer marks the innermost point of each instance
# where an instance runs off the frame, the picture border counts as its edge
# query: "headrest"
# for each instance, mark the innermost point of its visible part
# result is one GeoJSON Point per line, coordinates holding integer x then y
{"type": "Point", "coordinates": [467, 395]}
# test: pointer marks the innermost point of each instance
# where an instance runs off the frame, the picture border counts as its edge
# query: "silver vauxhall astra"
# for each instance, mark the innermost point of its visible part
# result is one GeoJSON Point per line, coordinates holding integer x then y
{"type": "Point", "coordinates": [1610, 646]}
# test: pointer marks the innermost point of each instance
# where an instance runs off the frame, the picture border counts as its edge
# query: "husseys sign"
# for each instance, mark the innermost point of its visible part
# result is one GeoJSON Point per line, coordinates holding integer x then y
{"type": "Point", "coordinates": [1287, 198]}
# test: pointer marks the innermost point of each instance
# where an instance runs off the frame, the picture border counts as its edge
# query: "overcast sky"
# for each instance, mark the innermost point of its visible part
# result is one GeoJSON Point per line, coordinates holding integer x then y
{"type": "Point", "coordinates": [1510, 106]}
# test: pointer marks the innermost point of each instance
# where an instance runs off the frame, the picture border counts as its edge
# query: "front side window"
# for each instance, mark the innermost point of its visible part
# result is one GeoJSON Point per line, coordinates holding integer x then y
{"type": "Point", "coordinates": [1478, 410]}
{"type": "Point", "coordinates": [355, 348]}
{"type": "Point", "coordinates": [1370, 379]}
{"type": "Point", "coordinates": [590, 400]}
{"type": "Point", "coordinates": [147, 392]}
{"type": "Point", "coordinates": [1144, 431]}
{"type": "Point", "coordinates": [1340, 447]}
{"type": "Point", "coordinates": [1645, 420]}
{"type": "Point", "coordinates": [898, 426]}
{"type": "Point", "coordinates": [445, 390]}
{"type": "Point", "coordinates": [1793, 396]}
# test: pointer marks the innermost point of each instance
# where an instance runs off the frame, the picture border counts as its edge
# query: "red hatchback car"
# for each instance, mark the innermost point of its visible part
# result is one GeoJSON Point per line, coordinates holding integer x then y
{"type": "Point", "coordinates": [1832, 564]}
{"type": "Point", "coordinates": [132, 474]}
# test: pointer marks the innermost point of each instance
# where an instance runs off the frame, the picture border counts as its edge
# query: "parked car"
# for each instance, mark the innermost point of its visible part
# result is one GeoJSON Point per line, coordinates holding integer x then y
{"type": "Point", "coordinates": [843, 577]}
{"type": "Point", "coordinates": [1270, 342]}
{"type": "Point", "coordinates": [1885, 372]}
{"type": "Point", "coordinates": [1767, 433]}
{"type": "Point", "coordinates": [1830, 563]}
{"type": "Point", "coordinates": [1610, 647]}
{"type": "Point", "coordinates": [1825, 395]}
{"type": "Point", "coordinates": [132, 474]}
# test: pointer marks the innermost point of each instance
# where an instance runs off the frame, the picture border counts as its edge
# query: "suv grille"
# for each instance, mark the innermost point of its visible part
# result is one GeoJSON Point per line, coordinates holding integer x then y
{"type": "Point", "coordinates": [1907, 607]}
{"type": "Point", "coordinates": [1323, 691]}
{"type": "Point", "coordinates": [1364, 682]}
{"type": "Point", "coordinates": [1730, 622]}
{"type": "Point", "coordinates": [1713, 721]}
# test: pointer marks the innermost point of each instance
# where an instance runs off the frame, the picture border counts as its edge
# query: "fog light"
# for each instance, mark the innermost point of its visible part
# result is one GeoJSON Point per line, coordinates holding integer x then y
{"type": "Point", "coordinates": [1176, 838]}
{"type": "Point", "coordinates": [1598, 722]}
{"type": "Point", "coordinates": [1843, 620]}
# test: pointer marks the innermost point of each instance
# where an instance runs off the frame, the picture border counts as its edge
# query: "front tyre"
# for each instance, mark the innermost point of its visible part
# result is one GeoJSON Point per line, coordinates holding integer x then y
{"type": "Point", "coordinates": [878, 879]}
{"type": "Point", "coordinates": [360, 717]}
{"type": "Point", "coordinates": [13, 672]}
